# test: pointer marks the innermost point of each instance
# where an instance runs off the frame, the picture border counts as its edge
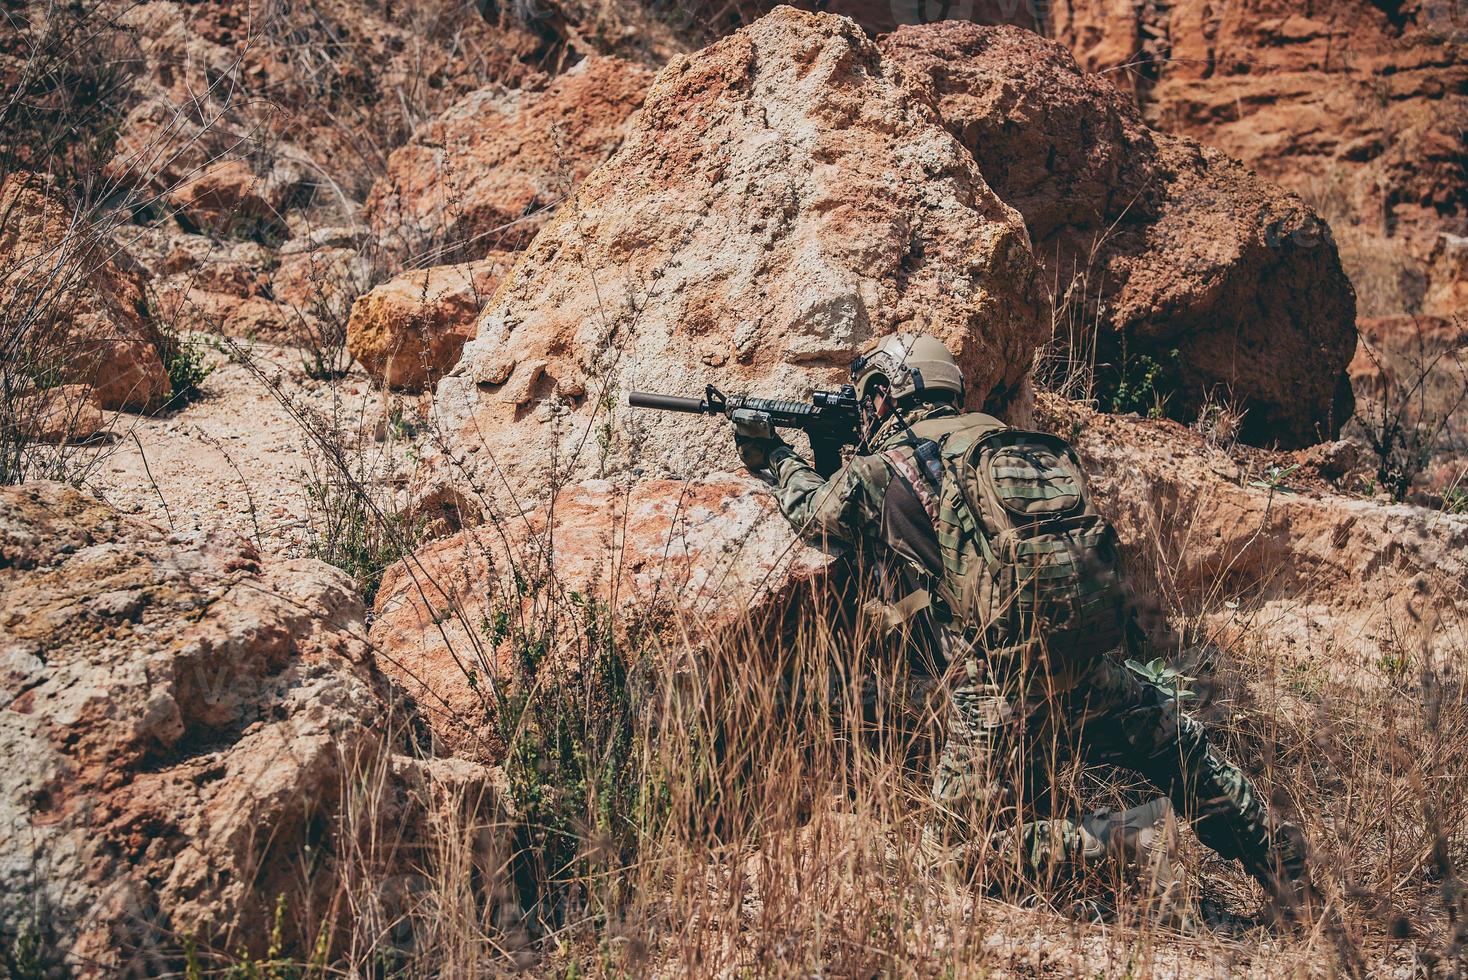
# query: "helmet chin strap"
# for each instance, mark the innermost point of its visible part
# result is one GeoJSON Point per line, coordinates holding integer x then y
{"type": "Point", "coordinates": [871, 421]}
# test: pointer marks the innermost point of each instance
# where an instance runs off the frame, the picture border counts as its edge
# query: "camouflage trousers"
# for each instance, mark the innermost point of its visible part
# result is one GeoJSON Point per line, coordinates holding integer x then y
{"type": "Point", "coordinates": [994, 782]}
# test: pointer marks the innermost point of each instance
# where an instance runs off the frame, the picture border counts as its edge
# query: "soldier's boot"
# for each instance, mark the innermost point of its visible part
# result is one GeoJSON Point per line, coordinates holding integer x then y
{"type": "Point", "coordinates": [1293, 899]}
{"type": "Point", "coordinates": [1284, 873]}
{"type": "Point", "coordinates": [949, 851]}
{"type": "Point", "coordinates": [1144, 839]}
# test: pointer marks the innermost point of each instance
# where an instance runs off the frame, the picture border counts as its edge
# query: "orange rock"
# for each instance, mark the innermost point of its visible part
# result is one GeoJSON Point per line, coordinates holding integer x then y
{"type": "Point", "coordinates": [880, 17]}
{"type": "Point", "coordinates": [390, 65]}
{"type": "Point", "coordinates": [1157, 241]}
{"type": "Point", "coordinates": [66, 413]}
{"type": "Point", "coordinates": [321, 281]}
{"type": "Point", "coordinates": [227, 199]}
{"type": "Point", "coordinates": [190, 712]}
{"type": "Point", "coordinates": [489, 171]}
{"type": "Point", "coordinates": [1447, 275]}
{"type": "Point", "coordinates": [79, 304]}
{"type": "Point", "coordinates": [249, 318]}
{"type": "Point", "coordinates": [1359, 106]}
{"type": "Point", "coordinates": [690, 560]}
{"type": "Point", "coordinates": [1308, 575]}
{"type": "Point", "coordinates": [410, 330]}
{"type": "Point", "coordinates": [778, 202]}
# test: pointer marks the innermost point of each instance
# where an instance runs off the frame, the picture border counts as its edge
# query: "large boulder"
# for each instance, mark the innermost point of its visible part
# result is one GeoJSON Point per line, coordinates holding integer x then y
{"type": "Point", "coordinates": [1154, 242]}
{"type": "Point", "coordinates": [197, 742]}
{"type": "Point", "coordinates": [229, 315]}
{"type": "Point", "coordinates": [878, 17]}
{"type": "Point", "coordinates": [681, 560]}
{"type": "Point", "coordinates": [323, 272]}
{"type": "Point", "coordinates": [410, 330]}
{"type": "Point", "coordinates": [489, 171]}
{"type": "Point", "coordinates": [179, 719]}
{"type": "Point", "coordinates": [75, 309]}
{"type": "Point", "coordinates": [59, 415]}
{"type": "Point", "coordinates": [779, 202]}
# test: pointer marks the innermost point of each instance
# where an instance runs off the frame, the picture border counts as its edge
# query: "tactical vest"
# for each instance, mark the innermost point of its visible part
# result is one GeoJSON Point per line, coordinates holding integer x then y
{"type": "Point", "coordinates": [1018, 560]}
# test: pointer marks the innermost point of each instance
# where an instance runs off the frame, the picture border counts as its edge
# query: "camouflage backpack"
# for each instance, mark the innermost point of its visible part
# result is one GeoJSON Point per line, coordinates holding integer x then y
{"type": "Point", "coordinates": [1026, 558]}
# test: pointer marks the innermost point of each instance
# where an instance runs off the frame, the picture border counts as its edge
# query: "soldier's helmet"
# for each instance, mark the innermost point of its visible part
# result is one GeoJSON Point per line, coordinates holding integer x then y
{"type": "Point", "coordinates": [916, 367]}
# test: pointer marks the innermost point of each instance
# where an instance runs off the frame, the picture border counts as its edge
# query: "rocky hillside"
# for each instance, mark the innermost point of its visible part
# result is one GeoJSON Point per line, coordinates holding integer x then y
{"type": "Point", "coordinates": [1361, 107]}
{"type": "Point", "coordinates": [354, 624]}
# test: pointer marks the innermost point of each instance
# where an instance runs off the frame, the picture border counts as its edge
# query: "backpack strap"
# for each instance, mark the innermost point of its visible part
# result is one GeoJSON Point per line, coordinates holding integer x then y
{"type": "Point", "coordinates": [929, 460]}
{"type": "Point", "coordinates": [889, 617]}
{"type": "Point", "coordinates": [903, 461]}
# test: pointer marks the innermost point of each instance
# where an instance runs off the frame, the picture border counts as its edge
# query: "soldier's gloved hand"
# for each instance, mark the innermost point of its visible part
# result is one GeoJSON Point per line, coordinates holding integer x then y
{"type": "Point", "coordinates": [754, 437]}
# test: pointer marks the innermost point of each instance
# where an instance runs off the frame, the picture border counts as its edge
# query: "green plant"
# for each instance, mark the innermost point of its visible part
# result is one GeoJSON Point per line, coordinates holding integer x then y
{"type": "Point", "coordinates": [400, 425]}
{"type": "Point", "coordinates": [25, 959]}
{"type": "Point", "coordinates": [351, 532]}
{"type": "Point", "coordinates": [1394, 665]}
{"type": "Point", "coordinates": [185, 358]}
{"type": "Point", "coordinates": [1139, 384]}
{"type": "Point", "coordinates": [571, 746]}
{"type": "Point", "coordinates": [327, 359]}
{"type": "Point", "coordinates": [274, 965]}
{"type": "Point", "coordinates": [1274, 479]}
{"type": "Point", "coordinates": [353, 519]}
{"type": "Point", "coordinates": [1157, 671]}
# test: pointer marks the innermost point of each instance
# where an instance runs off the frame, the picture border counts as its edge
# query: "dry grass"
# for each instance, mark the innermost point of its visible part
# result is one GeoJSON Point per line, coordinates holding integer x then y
{"type": "Point", "coordinates": [682, 797]}
{"type": "Point", "coordinates": [779, 797]}
{"type": "Point", "coordinates": [691, 798]}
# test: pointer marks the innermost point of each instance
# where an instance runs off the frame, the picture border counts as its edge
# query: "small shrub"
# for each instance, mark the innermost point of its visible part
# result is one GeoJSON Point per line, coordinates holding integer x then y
{"type": "Point", "coordinates": [26, 957]}
{"type": "Point", "coordinates": [324, 356]}
{"type": "Point", "coordinates": [1276, 479]}
{"type": "Point", "coordinates": [352, 516]}
{"type": "Point", "coordinates": [69, 69]}
{"type": "Point", "coordinates": [570, 733]}
{"type": "Point", "coordinates": [1410, 414]}
{"type": "Point", "coordinates": [350, 529]}
{"type": "Point", "coordinates": [1140, 384]}
{"type": "Point", "coordinates": [185, 358]}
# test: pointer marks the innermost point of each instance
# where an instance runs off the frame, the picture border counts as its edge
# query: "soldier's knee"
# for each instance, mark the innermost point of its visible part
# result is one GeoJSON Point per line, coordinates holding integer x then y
{"type": "Point", "coordinates": [980, 714]}
{"type": "Point", "coordinates": [1171, 740]}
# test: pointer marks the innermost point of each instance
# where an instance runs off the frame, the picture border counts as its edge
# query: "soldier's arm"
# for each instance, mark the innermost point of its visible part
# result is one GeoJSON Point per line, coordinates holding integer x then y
{"type": "Point", "coordinates": [823, 511]}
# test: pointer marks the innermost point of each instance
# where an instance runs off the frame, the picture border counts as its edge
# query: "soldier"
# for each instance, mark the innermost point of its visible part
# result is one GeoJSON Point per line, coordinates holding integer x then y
{"type": "Point", "coordinates": [994, 561]}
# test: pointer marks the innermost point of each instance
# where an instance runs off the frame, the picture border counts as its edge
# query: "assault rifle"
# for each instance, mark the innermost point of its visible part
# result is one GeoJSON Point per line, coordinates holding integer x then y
{"type": "Point", "coordinates": [831, 418]}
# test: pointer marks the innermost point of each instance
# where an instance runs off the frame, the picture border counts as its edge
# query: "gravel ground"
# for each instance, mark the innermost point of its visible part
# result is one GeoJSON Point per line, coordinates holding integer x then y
{"type": "Point", "coordinates": [238, 459]}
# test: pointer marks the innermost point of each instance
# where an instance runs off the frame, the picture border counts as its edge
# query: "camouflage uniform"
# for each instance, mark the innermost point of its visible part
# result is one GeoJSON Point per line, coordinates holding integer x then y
{"type": "Point", "coordinates": [1009, 724]}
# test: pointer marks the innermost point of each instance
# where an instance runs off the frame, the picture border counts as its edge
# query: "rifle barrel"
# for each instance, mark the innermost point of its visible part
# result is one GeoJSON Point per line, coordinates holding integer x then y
{"type": "Point", "coordinates": [667, 403]}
